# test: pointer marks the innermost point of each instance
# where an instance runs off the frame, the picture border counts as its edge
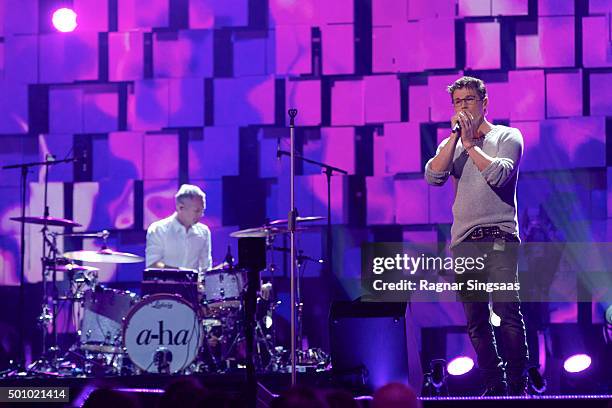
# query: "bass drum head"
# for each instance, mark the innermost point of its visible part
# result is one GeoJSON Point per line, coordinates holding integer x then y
{"type": "Point", "coordinates": [162, 322]}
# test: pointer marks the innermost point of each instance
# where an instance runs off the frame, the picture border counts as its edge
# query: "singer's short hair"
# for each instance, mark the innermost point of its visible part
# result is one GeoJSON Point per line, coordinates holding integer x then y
{"type": "Point", "coordinates": [189, 191]}
{"type": "Point", "coordinates": [468, 82]}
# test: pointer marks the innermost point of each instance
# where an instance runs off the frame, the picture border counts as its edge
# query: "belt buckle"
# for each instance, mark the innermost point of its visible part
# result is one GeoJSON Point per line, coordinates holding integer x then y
{"type": "Point", "coordinates": [477, 234]}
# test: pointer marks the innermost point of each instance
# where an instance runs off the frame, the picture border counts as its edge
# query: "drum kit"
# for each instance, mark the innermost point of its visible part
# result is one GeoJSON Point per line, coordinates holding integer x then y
{"type": "Point", "coordinates": [185, 321]}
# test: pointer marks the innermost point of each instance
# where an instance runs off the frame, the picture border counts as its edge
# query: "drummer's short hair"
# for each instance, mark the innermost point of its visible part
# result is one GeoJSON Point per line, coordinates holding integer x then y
{"type": "Point", "coordinates": [189, 191]}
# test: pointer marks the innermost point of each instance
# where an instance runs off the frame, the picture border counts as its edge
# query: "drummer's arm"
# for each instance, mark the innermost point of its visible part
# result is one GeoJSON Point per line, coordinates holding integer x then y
{"type": "Point", "coordinates": [205, 262]}
{"type": "Point", "coordinates": [154, 251]}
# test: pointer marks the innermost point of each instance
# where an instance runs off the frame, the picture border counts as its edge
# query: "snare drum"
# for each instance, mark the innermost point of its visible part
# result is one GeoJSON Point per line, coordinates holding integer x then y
{"type": "Point", "coordinates": [223, 288]}
{"type": "Point", "coordinates": [162, 324]}
{"type": "Point", "coordinates": [103, 312]}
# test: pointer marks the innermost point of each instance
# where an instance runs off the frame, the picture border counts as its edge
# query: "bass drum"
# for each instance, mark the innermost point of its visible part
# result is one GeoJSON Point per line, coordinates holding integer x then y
{"type": "Point", "coordinates": [162, 333]}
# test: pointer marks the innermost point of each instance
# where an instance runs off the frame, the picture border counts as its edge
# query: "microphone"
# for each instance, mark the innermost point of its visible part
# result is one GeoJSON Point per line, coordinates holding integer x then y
{"type": "Point", "coordinates": [278, 148]}
{"type": "Point", "coordinates": [49, 157]}
{"type": "Point", "coordinates": [456, 128]}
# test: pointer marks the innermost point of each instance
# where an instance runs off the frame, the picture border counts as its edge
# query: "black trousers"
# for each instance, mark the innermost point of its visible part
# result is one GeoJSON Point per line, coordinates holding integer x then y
{"type": "Point", "coordinates": [500, 259]}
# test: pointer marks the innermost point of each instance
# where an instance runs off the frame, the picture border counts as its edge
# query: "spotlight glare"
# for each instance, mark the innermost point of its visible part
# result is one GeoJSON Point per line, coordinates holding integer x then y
{"type": "Point", "coordinates": [460, 365]}
{"type": "Point", "coordinates": [64, 20]}
{"type": "Point", "coordinates": [577, 363]}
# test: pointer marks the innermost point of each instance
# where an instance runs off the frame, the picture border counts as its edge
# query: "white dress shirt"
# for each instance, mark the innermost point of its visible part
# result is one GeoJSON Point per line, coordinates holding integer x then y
{"type": "Point", "coordinates": [169, 242]}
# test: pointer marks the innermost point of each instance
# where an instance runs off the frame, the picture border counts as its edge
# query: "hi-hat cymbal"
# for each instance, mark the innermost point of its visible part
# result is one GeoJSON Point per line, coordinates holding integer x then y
{"type": "Point", "coordinates": [103, 256]}
{"type": "Point", "coordinates": [297, 219]}
{"type": "Point", "coordinates": [56, 222]}
{"type": "Point", "coordinates": [72, 267]}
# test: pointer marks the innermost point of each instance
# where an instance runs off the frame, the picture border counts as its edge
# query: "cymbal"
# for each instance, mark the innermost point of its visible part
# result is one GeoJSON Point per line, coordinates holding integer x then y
{"type": "Point", "coordinates": [259, 232]}
{"type": "Point", "coordinates": [103, 256]}
{"type": "Point", "coordinates": [72, 267]}
{"type": "Point", "coordinates": [297, 219]}
{"type": "Point", "coordinates": [56, 222]}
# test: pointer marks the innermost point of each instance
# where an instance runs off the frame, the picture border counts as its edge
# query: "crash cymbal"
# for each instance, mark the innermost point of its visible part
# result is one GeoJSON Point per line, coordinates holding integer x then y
{"type": "Point", "coordinates": [259, 232]}
{"type": "Point", "coordinates": [103, 256]}
{"type": "Point", "coordinates": [72, 267]}
{"type": "Point", "coordinates": [56, 222]}
{"type": "Point", "coordinates": [298, 219]}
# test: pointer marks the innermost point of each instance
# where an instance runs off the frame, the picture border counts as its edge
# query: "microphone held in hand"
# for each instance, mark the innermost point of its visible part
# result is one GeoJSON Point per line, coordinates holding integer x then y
{"type": "Point", "coordinates": [456, 128]}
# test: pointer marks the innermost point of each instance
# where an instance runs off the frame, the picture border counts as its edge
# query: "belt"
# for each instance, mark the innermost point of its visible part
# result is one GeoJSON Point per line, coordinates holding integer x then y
{"type": "Point", "coordinates": [483, 232]}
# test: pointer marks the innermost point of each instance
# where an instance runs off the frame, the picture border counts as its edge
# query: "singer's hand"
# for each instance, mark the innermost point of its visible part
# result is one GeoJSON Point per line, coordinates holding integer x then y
{"type": "Point", "coordinates": [468, 129]}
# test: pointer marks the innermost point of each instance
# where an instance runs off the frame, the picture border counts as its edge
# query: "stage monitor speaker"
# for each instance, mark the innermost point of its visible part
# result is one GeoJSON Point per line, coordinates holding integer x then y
{"type": "Point", "coordinates": [375, 343]}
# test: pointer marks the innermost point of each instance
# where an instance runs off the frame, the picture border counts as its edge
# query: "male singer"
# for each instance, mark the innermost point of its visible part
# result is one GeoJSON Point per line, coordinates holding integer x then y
{"type": "Point", "coordinates": [181, 240]}
{"type": "Point", "coordinates": [483, 160]}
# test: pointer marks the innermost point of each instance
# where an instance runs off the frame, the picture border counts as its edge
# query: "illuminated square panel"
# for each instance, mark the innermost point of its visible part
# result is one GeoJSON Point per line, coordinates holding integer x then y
{"type": "Point", "coordinates": [596, 44]}
{"type": "Point", "coordinates": [107, 204]}
{"type": "Point", "coordinates": [483, 45]}
{"type": "Point", "coordinates": [161, 156]}
{"type": "Point", "coordinates": [599, 7]}
{"type": "Point", "coordinates": [21, 58]}
{"type": "Point", "coordinates": [305, 96]}
{"type": "Point", "coordinates": [555, 8]}
{"type": "Point", "coordinates": [66, 110]}
{"type": "Point", "coordinates": [58, 65]}
{"type": "Point", "coordinates": [380, 200]}
{"type": "Point", "coordinates": [338, 199]}
{"type": "Point", "coordinates": [411, 201]}
{"type": "Point", "coordinates": [600, 91]}
{"type": "Point", "coordinates": [20, 17]}
{"type": "Point", "coordinates": [100, 110]}
{"type": "Point", "coordinates": [293, 49]}
{"type": "Point", "coordinates": [437, 42]}
{"type": "Point", "coordinates": [338, 49]}
{"type": "Point", "coordinates": [347, 103]}
{"type": "Point", "coordinates": [509, 7]}
{"type": "Point", "coordinates": [564, 94]}
{"type": "Point", "coordinates": [215, 154]}
{"type": "Point", "coordinates": [553, 46]}
{"type": "Point", "coordinates": [471, 8]}
{"type": "Point", "coordinates": [338, 147]}
{"type": "Point", "coordinates": [242, 101]}
{"type": "Point", "coordinates": [387, 12]}
{"type": "Point", "coordinates": [402, 148]}
{"type": "Point", "coordinates": [142, 14]}
{"type": "Point", "coordinates": [251, 53]}
{"type": "Point", "coordinates": [500, 104]}
{"type": "Point", "coordinates": [92, 15]}
{"type": "Point", "coordinates": [159, 200]}
{"type": "Point", "coordinates": [421, 9]}
{"type": "Point", "coordinates": [186, 102]}
{"type": "Point", "coordinates": [218, 13]}
{"type": "Point", "coordinates": [527, 94]}
{"type": "Point", "coordinates": [213, 214]}
{"type": "Point", "coordinates": [381, 88]}
{"type": "Point", "coordinates": [441, 203]}
{"type": "Point", "coordinates": [439, 99]}
{"type": "Point", "coordinates": [125, 56]}
{"type": "Point", "coordinates": [183, 54]}
{"type": "Point", "coordinates": [148, 104]}
{"type": "Point", "coordinates": [118, 156]}
{"type": "Point", "coordinates": [383, 50]}
{"type": "Point", "coordinates": [335, 12]}
{"type": "Point", "coordinates": [283, 12]}
{"type": "Point", "coordinates": [418, 103]}
{"type": "Point", "coordinates": [13, 107]}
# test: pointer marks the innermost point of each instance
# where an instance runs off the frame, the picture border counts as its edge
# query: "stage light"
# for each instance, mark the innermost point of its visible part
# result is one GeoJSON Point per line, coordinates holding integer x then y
{"type": "Point", "coordinates": [577, 363]}
{"type": "Point", "coordinates": [460, 365]}
{"type": "Point", "coordinates": [64, 20]}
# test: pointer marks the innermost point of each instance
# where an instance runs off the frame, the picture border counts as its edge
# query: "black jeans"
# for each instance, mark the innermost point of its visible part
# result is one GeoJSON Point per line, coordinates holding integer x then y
{"type": "Point", "coordinates": [500, 257]}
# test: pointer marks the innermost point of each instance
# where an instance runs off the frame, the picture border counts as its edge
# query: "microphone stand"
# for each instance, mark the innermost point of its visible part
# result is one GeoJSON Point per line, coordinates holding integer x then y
{"type": "Point", "coordinates": [328, 170]}
{"type": "Point", "coordinates": [25, 167]}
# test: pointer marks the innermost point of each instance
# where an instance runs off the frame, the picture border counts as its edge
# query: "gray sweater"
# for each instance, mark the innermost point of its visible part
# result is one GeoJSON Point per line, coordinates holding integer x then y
{"type": "Point", "coordinates": [486, 198]}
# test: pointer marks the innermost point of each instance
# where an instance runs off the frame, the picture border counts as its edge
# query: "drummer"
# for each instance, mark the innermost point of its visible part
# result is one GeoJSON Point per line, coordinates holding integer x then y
{"type": "Point", "coordinates": [180, 240]}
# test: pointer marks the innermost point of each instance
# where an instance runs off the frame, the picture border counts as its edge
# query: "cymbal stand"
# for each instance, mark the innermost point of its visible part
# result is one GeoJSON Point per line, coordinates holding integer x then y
{"type": "Point", "coordinates": [25, 167]}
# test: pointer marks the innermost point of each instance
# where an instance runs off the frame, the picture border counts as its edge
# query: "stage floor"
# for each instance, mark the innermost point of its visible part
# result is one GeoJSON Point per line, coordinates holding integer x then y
{"type": "Point", "coordinates": [148, 388]}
